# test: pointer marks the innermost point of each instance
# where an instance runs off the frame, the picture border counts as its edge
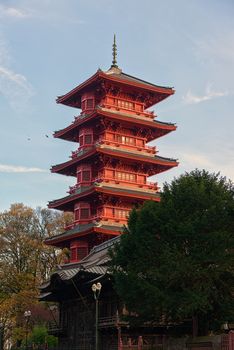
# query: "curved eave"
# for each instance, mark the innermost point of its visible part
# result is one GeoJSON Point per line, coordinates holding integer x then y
{"type": "Point", "coordinates": [78, 232]}
{"type": "Point", "coordinates": [167, 163]}
{"type": "Point", "coordinates": [69, 167]}
{"type": "Point", "coordinates": [64, 99]}
{"type": "Point", "coordinates": [67, 203]}
{"type": "Point", "coordinates": [72, 98]}
{"type": "Point", "coordinates": [70, 132]}
{"type": "Point", "coordinates": [140, 84]}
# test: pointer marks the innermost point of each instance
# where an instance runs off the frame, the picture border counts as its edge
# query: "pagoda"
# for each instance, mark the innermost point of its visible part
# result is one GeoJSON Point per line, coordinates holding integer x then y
{"type": "Point", "coordinates": [112, 160]}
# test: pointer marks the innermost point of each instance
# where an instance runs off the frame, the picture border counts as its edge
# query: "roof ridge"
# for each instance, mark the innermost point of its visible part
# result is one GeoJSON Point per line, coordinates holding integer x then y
{"type": "Point", "coordinates": [147, 82]}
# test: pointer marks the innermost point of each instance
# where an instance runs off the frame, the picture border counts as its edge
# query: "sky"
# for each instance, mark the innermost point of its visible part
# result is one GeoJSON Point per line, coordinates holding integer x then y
{"type": "Point", "coordinates": [47, 47]}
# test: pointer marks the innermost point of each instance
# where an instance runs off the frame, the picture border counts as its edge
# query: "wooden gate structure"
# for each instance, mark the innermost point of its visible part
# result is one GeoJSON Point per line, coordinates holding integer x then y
{"type": "Point", "coordinates": [142, 342]}
{"type": "Point", "coordinates": [227, 341]}
{"type": "Point", "coordinates": [159, 343]}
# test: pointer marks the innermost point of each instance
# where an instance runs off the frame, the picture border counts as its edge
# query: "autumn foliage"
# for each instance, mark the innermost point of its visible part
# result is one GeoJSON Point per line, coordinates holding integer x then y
{"type": "Point", "coordinates": [25, 261]}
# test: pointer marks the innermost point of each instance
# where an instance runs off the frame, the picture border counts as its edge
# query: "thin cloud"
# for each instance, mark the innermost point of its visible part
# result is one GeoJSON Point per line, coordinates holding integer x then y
{"type": "Point", "coordinates": [218, 48]}
{"type": "Point", "coordinates": [196, 160]}
{"type": "Point", "coordinates": [13, 86]}
{"type": "Point", "coordinates": [191, 98]}
{"type": "Point", "coordinates": [4, 168]}
{"type": "Point", "coordinates": [13, 12]}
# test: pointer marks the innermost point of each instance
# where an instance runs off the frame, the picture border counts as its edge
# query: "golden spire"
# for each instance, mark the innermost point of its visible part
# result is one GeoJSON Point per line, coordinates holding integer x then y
{"type": "Point", "coordinates": [114, 53]}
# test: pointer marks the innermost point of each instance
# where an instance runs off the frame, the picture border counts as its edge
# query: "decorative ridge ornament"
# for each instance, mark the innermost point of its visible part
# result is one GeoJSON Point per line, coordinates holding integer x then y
{"type": "Point", "coordinates": [114, 53]}
{"type": "Point", "coordinates": [114, 69]}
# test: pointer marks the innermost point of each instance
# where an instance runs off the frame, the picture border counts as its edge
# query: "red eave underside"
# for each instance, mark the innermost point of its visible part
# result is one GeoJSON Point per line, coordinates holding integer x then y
{"type": "Point", "coordinates": [140, 158]}
{"type": "Point", "coordinates": [153, 124]}
{"type": "Point", "coordinates": [64, 167]}
{"type": "Point", "coordinates": [62, 238]}
{"type": "Point", "coordinates": [93, 79]}
{"type": "Point", "coordinates": [61, 203]}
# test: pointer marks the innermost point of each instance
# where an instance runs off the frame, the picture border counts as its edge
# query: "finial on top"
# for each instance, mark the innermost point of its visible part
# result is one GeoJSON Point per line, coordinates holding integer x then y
{"type": "Point", "coordinates": [114, 53]}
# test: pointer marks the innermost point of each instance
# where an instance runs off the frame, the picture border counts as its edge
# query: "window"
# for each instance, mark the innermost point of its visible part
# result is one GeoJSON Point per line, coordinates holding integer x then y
{"type": "Point", "coordinates": [81, 252]}
{"type": "Point", "coordinates": [81, 139]}
{"type": "Point", "coordinates": [86, 175]}
{"type": "Point", "coordinates": [126, 140]}
{"type": "Point", "coordinates": [125, 104]}
{"type": "Point", "coordinates": [83, 105]}
{"type": "Point", "coordinates": [84, 213]}
{"type": "Point", "coordinates": [121, 213]}
{"type": "Point", "coordinates": [89, 103]}
{"type": "Point", "coordinates": [125, 176]}
{"type": "Point", "coordinates": [78, 253]}
{"type": "Point", "coordinates": [88, 139]}
{"type": "Point", "coordinates": [79, 177]}
{"type": "Point", "coordinates": [77, 214]}
{"type": "Point", "coordinates": [73, 254]}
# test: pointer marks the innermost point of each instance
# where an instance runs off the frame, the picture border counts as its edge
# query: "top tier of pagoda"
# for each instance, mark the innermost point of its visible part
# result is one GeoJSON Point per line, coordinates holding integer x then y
{"type": "Point", "coordinates": [112, 160]}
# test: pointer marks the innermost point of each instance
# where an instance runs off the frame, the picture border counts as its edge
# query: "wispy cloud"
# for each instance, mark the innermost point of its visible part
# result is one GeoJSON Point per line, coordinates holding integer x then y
{"type": "Point", "coordinates": [213, 162]}
{"type": "Point", "coordinates": [14, 86]}
{"type": "Point", "coordinates": [218, 48]}
{"type": "Point", "coordinates": [13, 12]}
{"type": "Point", "coordinates": [190, 98]}
{"type": "Point", "coordinates": [4, 168]}
{"type": "Point", "coordinates": [196, 160]}
{"type": "Point", "coordinates": [39, 11]}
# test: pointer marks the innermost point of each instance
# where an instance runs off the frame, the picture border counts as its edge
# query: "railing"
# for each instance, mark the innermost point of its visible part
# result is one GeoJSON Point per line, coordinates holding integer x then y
{"type": "Point", "coordinates": [145, 113]}
{"type": "Point", "coordinates": [156, 342]}
{"type": "Point", "coordinates": [147, 185]}
{"type": "Point", "coordinates": [107, 321]}
{"type": "Point", "coordinates": [148, 149]}
{"type": "Point", "coordinates": [81, 150]}
{"type": "Point", "coordinates": [55, 329]}
{"type": "Point", "coordinates": [97, 218]}
{"type": "Point", "coordinates": [103, 140]}
{"type": "Point", "coordinates": [72, 189]}
{"type": "Point", "coordinates": [115, 180]}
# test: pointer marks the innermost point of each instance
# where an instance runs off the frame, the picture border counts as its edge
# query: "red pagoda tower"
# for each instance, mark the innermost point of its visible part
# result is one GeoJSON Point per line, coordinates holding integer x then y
{"type": "Point", "coordinates": [112, 160]}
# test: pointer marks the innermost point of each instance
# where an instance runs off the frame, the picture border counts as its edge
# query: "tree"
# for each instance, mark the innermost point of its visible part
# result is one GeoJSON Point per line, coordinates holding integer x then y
{"type": "Point", "coordinates": [40, 336]}
{"type": "Point", "coordinates": [25, 261]}
{"type": "Point", "coordinates": [177, 255]}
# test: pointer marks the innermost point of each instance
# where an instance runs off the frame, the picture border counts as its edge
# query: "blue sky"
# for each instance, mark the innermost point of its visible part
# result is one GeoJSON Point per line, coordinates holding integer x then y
{"type": "Point", "coordinates": [47, 47]}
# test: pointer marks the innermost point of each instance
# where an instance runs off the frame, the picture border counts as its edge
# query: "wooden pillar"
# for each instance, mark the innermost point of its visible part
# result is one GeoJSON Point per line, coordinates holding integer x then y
{"type": "Point", "coordinates": [140, 343]}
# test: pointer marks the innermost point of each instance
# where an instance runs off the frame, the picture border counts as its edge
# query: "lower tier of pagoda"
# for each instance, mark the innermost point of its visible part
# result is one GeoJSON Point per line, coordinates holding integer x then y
{"type": "Point", "coordinates": [100, 190]}
{"type": "Point", "coordinates": [94, 231]}
{"type": "Point", "coordinates": [102, 154]}
{"type": "Point", "coordinates": [82, 238]}
{"type": "Point", "coordinates": [102, 115]}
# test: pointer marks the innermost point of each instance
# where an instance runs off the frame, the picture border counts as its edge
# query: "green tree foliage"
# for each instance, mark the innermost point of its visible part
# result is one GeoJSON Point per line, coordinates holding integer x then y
{"type": "Point", "coordinates": [40, 336]}
{"type": "Point", "coordinates": [176, 259]}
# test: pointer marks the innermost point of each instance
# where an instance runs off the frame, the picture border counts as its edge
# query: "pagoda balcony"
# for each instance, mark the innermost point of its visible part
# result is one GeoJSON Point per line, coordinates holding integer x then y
{"type": "Point", "coordinates": [134, 147]}
{"type": "Point", "coordinates": [150, 186]}
{"type": "Point", "coordinates": [151, 150]}
{"type": "Point", "coordinates": [80, 151]}
{"type": "Point", "coordinates": [72, 189]}
{"type": "Point", "coordinates": [126, 183]}
{"type": "Point", "coordinates": [107, 214]}
{"type": "Point", "coordinates": [128, 107]}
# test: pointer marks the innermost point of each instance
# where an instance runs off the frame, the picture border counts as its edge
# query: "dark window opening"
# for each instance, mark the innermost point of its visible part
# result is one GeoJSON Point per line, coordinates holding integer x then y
{"type": "Point", "coordinates": [86, 175]}
{"type": "Point", "coordinates": [73, 254]}
{"type": "Point", "coordinates": [84, 213]}
{"type": "Point", "coordinates": [81, 140]}
{"type": "Point", "coordinates": [81, 252]}
{"type": "Point", "coordinates": [89, 103]}
{"type": "Point", "coordinates": [88, 139]}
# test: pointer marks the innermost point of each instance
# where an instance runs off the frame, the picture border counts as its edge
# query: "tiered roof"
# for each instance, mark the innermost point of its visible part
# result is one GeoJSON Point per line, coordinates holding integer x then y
{"type": "Point", "coordinates": [115, 75]}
